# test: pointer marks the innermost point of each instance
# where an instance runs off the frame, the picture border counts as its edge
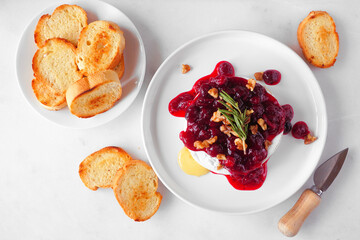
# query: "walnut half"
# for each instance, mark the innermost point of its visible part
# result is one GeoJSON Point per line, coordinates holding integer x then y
{"type": "Point", "coordinates": [262, 123]}
{"type": "Point", "coordinates": [258, 76]}
{"type": "Point", "coordinates": [217, 117]}
{"type": "Point", "coordinates": [254, 129]}
{"type": "Point", "coordinates": [185, 68]}
{"type": "Point", "coordinates": [251, 84]}
{"type": "Point", "coordinates": [309, 139]}
{"type": "Point", "coordinates": [214, 93]}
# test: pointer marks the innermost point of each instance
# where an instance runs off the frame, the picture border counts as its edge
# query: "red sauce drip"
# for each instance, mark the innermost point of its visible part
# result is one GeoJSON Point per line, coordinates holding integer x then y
{"type": "Point", "coordinates": [252, 181]}
{"type": "Point", "coordinates": [247, 171]}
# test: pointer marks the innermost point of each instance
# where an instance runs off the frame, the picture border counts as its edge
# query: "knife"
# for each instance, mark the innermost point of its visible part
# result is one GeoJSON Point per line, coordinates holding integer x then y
{"type": "Point", "coordinates": [324, 175]}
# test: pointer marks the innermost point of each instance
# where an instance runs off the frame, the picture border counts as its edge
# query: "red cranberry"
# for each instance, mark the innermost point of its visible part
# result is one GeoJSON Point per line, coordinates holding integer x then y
{"type": "Point", "coordinates": [231, 145]}
{"type": "Point", "coordinates": [198, 84]}
{"type": "Point", "coordinates": [229, 162]}
{"type": "Point", "coordinates": [214, 150]}
{"type": "Point", "coordinates": [260, 92]}
{"type": "Point", "coordinates": [178, 105]}
{"type": "Point", "coordinates": [203, 101]}
{"type": "Point", "coordinates": [192, 113]}
{"type": "Point", "coordinates": [287, 127]}
{"type": "Point", "coordinates": [255, 100]}
{"type": "Point", "coordinates": [258, 110]}
{"type": "Point", "coordinates": [256, 141]}
{"type": "Point", "coordinates": [220, 81]}
{"type": "Point", "coordinates": [203, 135]}
{"type": "Point", "coordinates": [226, 69]}
{"type": "Point", "coordinates": [300, 130]}
{"type": "Point", "coordinates": [215, 132]}
{"type": "Point", "coordinates": [288, 111]}
{"type": "Point", "coordinates": [205, 115]}
{"type": "Point", "coordinates": [203, 89]}
{"type": "Point", "coordinates": [217, 104]}
{"type": "Point", "coordinates": [241, 93]}
{"type": "Point", "coordinates": [274, 118]}
{"type": "Point", "coordinates": [272, 77]}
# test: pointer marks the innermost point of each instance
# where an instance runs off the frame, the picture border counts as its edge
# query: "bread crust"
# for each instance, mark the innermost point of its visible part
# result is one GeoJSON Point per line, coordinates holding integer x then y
{"type": "Point", "coordinates": [84, 166]}
{"type": "Point", "coordinates": [117, 187]}
{"type": "Point", "coordinates": [120, 68]}
{"type": "Point", "coordinates": [39, 34]}
{"type": "Point", "coordinates": [309, 55]}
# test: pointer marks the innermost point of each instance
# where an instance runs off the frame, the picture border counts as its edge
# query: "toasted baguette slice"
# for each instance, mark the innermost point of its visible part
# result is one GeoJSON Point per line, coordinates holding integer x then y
{"type": "Point", "coordinates": [99, 168]}
{"type": "Point", "coordinates": [120, 68]}
{"type": "Point", "coordinates": [318, 39]}
{"type": "Point", "coordinates": [135, 188]}
{"type": "Point", "coordinates": [94, 94]}
{"type": "Point", "coordinates": [101, 45]}
{"type": "Point", "coordinates": [66, 22]}
{"type": "Point", "coordinates": [54, 70]}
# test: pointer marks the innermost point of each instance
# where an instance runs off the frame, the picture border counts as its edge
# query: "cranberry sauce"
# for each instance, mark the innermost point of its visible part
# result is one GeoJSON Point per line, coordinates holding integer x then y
{"type": "Point", "coordinates": [300, 130]}
{"type": "Point", "coordinates": [271, 77]}
{"type": "Point", "coordinates": [197, 106]}
{"type": "Point", "coordinates": [251, 181]}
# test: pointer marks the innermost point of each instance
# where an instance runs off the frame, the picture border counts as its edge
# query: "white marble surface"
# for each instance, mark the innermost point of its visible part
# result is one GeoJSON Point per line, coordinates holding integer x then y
{"type": "Point", "coordinates": [41, 195]}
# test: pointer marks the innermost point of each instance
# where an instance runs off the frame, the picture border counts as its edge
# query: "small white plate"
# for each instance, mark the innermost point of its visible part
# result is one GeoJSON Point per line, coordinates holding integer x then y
{"type": "Point", "coordinates": [289, 167]}
{"type": "Point", "coordinates": [135, 63]}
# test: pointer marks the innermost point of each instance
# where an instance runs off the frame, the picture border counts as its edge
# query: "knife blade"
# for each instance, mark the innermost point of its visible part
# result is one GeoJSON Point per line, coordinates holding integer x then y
{"type": "Point", "coordinates": [324, 175]}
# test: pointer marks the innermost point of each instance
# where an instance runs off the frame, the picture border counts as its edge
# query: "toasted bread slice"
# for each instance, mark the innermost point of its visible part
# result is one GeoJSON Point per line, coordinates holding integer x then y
{"type": "Point", "coordinates": [94, 94]}
{"type": "Point", "coordinates": [101, 45]}
{"type": "Point", "coordinates": [54, 70]}
{"type": "Point", "coordinates": [99, 168]}
{"type": "Point", "coordinates": [135, 187]}
{"type": "Point", "coordinates": [66, 22]}
{"type": "Point", "coordinates": [120, 68]}
{"type": "Point", "coordinates": [318, 39]}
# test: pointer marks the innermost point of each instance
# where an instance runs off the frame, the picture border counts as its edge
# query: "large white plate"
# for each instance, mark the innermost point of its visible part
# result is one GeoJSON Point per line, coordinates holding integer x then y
{"type": "Point", "coordinates": [135, 63]}
{"type": "Point", "coordinates": [292, 163]}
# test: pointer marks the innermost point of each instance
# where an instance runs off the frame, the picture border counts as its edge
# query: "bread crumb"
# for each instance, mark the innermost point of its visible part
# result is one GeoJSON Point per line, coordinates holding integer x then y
{"type": "Point", "coordinates": [185, 68]}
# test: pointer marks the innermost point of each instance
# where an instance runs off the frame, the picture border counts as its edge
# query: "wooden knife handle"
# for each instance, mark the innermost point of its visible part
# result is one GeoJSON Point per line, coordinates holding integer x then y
{"type": "Point", "coordinates": [291, 222]}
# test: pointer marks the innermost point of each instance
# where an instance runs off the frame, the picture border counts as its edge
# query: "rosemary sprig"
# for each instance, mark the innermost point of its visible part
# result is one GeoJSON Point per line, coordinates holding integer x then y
{"type": "Point", "coordinates": [238, 120]}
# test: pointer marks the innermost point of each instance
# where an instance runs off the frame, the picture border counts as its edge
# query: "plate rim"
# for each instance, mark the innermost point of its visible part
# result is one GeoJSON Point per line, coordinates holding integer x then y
{"type": "Point", "coordinates": [322, 104]}
{"type": "Point", "coordinates": [142, 57]}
